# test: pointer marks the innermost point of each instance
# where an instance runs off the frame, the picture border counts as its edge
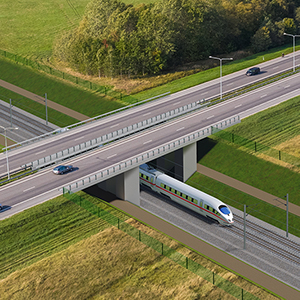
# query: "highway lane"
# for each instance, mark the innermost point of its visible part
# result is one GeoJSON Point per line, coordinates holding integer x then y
{"type": "Point", "coordinates": [96, 129]}
{"type": "Point", "coordinates": [95, 161]}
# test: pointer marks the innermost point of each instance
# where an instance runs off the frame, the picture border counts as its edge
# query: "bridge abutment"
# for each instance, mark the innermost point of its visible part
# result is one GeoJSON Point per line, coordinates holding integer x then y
{"type": "Point", "coordinates": [125, 186]}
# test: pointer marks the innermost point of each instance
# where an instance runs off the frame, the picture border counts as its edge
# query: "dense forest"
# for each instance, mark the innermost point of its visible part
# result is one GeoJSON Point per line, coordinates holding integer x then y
{"type": "Point", "coordinates": [117, 39]}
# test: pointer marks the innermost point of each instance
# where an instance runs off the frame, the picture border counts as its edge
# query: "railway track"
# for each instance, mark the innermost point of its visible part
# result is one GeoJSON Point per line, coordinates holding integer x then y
{"type": "Point", "coordinates": [267, 239]}
{"type": "Point", "coordinates": [19, 120]}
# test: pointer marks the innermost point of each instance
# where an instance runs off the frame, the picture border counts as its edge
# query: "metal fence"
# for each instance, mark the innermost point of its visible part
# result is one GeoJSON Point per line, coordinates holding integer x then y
{"type": "Point", "coordinates": [161, 248]}
{"type": "Point", "coordinates": [105, 90]}
{"type": "Point", "coordinates": [256, 147]}
{"type": "Point", "coordinates": [117, 134]}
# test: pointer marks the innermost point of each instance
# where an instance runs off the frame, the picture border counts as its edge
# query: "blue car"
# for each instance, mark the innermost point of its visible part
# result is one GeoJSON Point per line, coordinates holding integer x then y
{"type": "Point", "coordinates": [62, 169]}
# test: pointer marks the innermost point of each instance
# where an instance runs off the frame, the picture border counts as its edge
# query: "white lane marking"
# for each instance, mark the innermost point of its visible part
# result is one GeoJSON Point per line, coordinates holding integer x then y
{"type": "Point", "coordinates": [210, 117]}
{"type": "Point", "coordinates": [40, 152]}
{"type": "Point", "coordinates": [204, 93]}
{"type": "Point", "coordinates": [275, 67]}
{"type": "Point", "coordinates": [229, 83]}
{"type": "Point", "coordinates": [176, 103]}
{"type": "Point", "coordinates": [111, 156]}
{"type": "Point", "coordinates": [287, 86]}
{"type": "Point", "coordinates": [180, 129]}
{"type": "Point", "coordinates": [147, 142]}
{"type": "Point", "coordinates": [79, 138]}
{"type": "Point", "coordinates": [146, 114]}
{"type": "Point", "coordinates": [262, 96]}
{"type": "Point", "coordinates": [238, 105]}
{"type": "Point", "coordinates": [114, 125]}
{"type": "Point", "coordinates": [29, 189]}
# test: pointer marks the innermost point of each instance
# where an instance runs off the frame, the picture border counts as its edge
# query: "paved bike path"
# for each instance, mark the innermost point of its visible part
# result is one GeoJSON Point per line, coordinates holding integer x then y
{"type": "Point", "coordinates": [67, 111]}
{"type": "Point", "coordinates": [248, 189]}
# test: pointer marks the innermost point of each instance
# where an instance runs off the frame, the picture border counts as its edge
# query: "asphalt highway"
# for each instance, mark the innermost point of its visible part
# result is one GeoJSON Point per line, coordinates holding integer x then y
{"type": "Point", "coordinates": [106, 125]}
{"type": "Point", "coordinates": [92, 162]}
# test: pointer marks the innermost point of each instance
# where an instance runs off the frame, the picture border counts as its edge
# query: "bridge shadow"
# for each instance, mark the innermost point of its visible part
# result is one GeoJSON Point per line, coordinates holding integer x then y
{"type": "Point", "coordinates": [95, 191]}
{"type": "Point", "coordinates": [204, 146]}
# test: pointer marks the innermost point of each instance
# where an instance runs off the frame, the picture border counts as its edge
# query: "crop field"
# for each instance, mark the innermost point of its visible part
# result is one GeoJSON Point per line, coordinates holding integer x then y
{"type": "Point", "coordinates": [59, 251]}
{"type": "Point", "coordinates": [29, 28]}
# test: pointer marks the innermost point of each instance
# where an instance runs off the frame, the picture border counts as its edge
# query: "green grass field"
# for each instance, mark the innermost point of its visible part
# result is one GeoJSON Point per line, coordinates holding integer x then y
{"type": "Point", "coordinates": [58, 249]}
{"type": "Point", "coordinates": [29, 28]}
{"type": "Point", "coordinates": [84, 101]}
{"type": "Point", "coordinates": [279, 124]}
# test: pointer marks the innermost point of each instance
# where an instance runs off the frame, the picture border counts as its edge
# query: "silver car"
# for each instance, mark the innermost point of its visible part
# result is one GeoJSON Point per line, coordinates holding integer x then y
{"type": "Point", "coordinates": [62, 169]}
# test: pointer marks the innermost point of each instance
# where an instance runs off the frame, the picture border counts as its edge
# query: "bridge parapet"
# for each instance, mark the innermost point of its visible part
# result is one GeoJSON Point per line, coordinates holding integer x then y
{"type": "Point", "coordinates": [147, 156]}
{"type": "Point", "coordinates": [117, 134]}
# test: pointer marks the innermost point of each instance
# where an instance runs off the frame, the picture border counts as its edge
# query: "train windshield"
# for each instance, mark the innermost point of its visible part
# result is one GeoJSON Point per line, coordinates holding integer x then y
{"type": "Point", "coordinates": [224, 209]}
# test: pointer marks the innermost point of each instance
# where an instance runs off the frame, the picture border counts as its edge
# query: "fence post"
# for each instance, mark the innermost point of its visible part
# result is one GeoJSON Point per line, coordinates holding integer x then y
{"type": "Point", "coordinates": [242, 294]}
{"type": "Point", "coordinates": [255, 146]}
{"type": "Point", "coordinates": [186, 263]}
{"type": "Point", "coordinates": [118, 223]}
{"type": "Point", "coordinates": [162, 249]}
{"type": "Point", "coordinates": [279, 153]}
{"type": "Point", "coordinates": [213, 277]}
{"type": "Point", "coordinates": [139, 235]}
{"type": "Point", "coordinates": [232, 137]}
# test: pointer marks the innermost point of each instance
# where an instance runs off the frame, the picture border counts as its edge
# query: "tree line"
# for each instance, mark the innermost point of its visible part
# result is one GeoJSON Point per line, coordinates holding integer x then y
{"type": "Point", "coordinates": [114, 38]}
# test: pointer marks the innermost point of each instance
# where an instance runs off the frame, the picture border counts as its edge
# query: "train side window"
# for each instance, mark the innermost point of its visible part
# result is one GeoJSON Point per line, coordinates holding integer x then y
{"type": "Point", "coordinates": [189, 198]}
{"type": "Point", "coordinates": [183, 196]}
{"type": "Point", "coordinates": [206, 206]}
{"type": "Point", "coordinates": [178, 193]}
{"type": "Point", "coordinates": [140, 174]}
{"type": "Point", "coordinates": [195, 201]}
{"type": "Point", "coordinates": [168, 188]}
{"type": "Point", "coordinates": [172, 190]}
{"type": "Point", "coordinates": [151, 179]}
{"type": "Point", "coordinates": [162, 185]}
{"type": "Point", "coordinates": [210, 208]}
{"type": "Point", "coordinates": [144, 176]}
{"type": "Point", "coordinates": [201, 203]}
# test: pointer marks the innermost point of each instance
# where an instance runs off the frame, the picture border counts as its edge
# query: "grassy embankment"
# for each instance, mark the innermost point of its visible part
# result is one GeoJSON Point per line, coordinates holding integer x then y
{"type": "Point", "coordinates": [59, 251]}
{"type": "Point", "coordinates": [277, 127]}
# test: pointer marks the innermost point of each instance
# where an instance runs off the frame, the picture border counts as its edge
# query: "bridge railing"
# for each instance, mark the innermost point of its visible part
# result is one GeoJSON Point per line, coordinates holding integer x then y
{"type": "Point", "coordinates": [145, 157]}
{"type": "Point", "coordinates": [117, 134]}
{"type": "Point", "coordinates": [88, 121]}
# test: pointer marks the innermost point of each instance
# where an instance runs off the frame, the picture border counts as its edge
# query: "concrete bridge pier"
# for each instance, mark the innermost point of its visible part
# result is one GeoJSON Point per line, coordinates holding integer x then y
{"type": "Point", "coordinates": [125, 186]}
{"type": "Point", "coordinates": [180, 164]}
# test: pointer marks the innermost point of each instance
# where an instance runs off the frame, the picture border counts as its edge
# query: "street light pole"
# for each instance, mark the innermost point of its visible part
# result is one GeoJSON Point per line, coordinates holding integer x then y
{"type": "Point", "coordinates": [46, 109]}
{"type": "Point", "coordinates": [245, 226]}
{"type": "Point", "coordinates": [294, 37]}
{"type": "Point", "coordinates": [6, 147]}
{"type": "Point", "coordinates": [221, 59]}
{"type": "Point", "coordinates": [287, 215]}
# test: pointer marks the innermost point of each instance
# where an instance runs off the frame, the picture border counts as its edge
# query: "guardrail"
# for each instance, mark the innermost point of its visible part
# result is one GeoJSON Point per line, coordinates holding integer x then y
{"type": "Point", "coordinates": [65, 129]}
{"type": "Point", "coordinates": [131, 163]}
{"type": "Point", "coordinates": [94, 143]}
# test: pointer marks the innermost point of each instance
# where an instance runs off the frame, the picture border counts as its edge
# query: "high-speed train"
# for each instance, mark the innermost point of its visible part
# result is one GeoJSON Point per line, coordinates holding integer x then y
{"type": "Point", "coordinates": [185, 195]}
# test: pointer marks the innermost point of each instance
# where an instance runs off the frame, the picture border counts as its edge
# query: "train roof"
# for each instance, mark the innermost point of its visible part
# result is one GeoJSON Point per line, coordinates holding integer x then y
{"type": "Point", "coordinates": [186, 189]}
{"type": "Point", "coordinates": [150, 170]}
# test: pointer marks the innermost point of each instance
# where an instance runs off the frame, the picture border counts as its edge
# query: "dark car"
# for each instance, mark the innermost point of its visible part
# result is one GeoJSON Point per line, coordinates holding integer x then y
{"type": "Point", "coordinates": [62, 169]}
{"type": "Point", "coordinates": [253, 71]}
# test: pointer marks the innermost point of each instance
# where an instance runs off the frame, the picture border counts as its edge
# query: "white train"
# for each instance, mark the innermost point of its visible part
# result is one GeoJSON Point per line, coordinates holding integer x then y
{"type": "Point", "coordinates": [185, 195]}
